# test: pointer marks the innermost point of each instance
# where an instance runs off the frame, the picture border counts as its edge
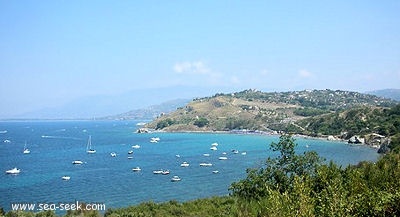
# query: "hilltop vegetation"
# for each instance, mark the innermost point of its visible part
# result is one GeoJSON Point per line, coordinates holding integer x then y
{"type": "Point", "coordinates": [322, 113]}
{"type": "Point", "coordinates": [256, 110]}
{"type": "Point", "coordinates": [304, 112]}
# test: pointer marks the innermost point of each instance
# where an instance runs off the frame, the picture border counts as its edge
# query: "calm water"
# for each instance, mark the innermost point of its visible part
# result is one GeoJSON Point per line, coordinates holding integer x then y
{"type": "Point", "coordinates": [110, 180]}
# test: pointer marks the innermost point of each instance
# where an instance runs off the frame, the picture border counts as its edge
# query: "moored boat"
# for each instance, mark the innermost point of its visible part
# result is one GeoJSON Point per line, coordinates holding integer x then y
{"type": "Point", "coordinates": [175, 179]}
{"type": "Point", "coordinates": [89, 148]}
{"type": "Point", "coordinates": [135, 146]}
{"type": "Point", "coordinates": [154, 139]}
{"type": "Point", "coordinates": [184, 164]}
{"type": "Point", "coordinates": [14, 171]}
{"type": "Point", "coordinates": [77, 162]}
{"type": "Point", "coordinates": [26, 150]}
{"type": "Point", "coordinates": [157, 171]}
{"type": "Point", "coordinates": [136, 169]}
{"type": "Point", "coordinates": [66, 178]}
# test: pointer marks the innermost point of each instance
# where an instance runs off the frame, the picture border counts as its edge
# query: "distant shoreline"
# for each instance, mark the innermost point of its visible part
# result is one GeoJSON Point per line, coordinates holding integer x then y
{"type": "Point", "coordinates": [254, 132]}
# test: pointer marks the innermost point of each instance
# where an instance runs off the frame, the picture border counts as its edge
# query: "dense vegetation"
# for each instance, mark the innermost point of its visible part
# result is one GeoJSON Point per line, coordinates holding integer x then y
{"type": "Point", "coordinates": [332, 100]}
{"type": "Point", "coordinates": [299, 185]}
{"type": "Point", "coordinates": [358, 121]}
{"type": "Point", "coordinates": [256, 110]}
{"type": "Point", "coordinates": [320, 113]}
{"type": "Point", "coordinates": [289, 185]}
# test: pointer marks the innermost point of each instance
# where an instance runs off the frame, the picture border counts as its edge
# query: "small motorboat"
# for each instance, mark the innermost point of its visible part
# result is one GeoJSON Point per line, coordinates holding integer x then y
{"type": "Point", "coordinates": [205, 164]}
{"type": "Point", "coordinates": [113, 154]}
{"type": "Point", "coordinates": [215, 171]}
{"type": "Point", "coordinates": [157, 171]}
{"type": "Point", "coordinates": [154, 139]}
{"type": "Point", "coordinates": [165, 172]}
{"type": "Point", "coordinates": [136, 169]}
{"type": "Point", "coordinates": [184, 164]}
{"type": "Point", "coordinates": [214, 148]}
{"type": "Point", "coordinates": [206, 155]}
{"type": "Point", "coordinates": [77, 162]}
{"type": "Point", "coordinates": [130, 152]}
{"type": "Point", "coordinates": [66, 178]}
{"type": "Point", "coordinates": [223, 158]}
{"type": "Point", "coordinates": [136, 146]}
{"type": "Point", "coordinates": [175, 179]}
{"type": "Point", "coordinates": [14, 171]}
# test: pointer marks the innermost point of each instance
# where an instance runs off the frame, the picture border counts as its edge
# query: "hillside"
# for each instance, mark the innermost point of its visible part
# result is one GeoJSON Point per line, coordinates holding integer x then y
{"type": "Point", "coordinates": [256, 110]}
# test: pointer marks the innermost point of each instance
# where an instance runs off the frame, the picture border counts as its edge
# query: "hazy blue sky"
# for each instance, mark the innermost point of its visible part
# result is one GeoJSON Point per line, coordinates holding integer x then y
{"type": "Point", "coordinates": [52, 52]}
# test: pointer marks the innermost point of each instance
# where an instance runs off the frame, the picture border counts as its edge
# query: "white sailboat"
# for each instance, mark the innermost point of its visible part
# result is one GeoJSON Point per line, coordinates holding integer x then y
{"type": "Point", "coordinates": [89, 148]}
{"type": "Point", "coordinates": [26, 150]}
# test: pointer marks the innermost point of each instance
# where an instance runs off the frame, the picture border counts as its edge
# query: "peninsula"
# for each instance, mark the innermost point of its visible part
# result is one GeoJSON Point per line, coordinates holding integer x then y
{"type": "Point", "coordinates": [332, 114]}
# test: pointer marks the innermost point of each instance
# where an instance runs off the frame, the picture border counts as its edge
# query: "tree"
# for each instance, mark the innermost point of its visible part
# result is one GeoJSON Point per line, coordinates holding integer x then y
{"type": "Point", "coordinates": [201, 122]}
{"type": "Point", "coordinates": [164, 123]}
{"type": "Point", "coordinates": [279, 172]}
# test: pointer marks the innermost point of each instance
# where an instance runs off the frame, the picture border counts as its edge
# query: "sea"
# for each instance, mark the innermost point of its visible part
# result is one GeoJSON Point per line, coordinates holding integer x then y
{"type": "Point", "coordinates": [101, 178]}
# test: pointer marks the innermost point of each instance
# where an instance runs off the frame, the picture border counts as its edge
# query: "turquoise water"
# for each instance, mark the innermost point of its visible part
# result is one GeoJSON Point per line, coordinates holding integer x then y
{"type": "Point", "coordinates": [110, 180]}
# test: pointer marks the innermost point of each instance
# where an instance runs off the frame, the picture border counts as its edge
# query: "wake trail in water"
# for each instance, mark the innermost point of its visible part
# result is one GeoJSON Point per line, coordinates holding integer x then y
{"type": "Point", "coordinates": [60, 137]}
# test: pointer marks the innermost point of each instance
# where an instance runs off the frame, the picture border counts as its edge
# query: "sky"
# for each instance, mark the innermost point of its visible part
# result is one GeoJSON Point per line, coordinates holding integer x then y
{"type": "Point", "coordinates": [54, 52]}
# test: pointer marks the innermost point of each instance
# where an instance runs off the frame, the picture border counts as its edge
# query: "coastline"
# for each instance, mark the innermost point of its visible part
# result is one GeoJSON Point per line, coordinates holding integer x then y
{"type": "Point", "coordinates": [265, 133]}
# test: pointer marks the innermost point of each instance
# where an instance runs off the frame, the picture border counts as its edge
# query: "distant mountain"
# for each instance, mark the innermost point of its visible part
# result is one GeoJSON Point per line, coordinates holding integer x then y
{"type": "Point", "coordinates": [387, 93]}
{"type": "Point", "coordinates": [90, 107]}
{"type": "Point", "coordinates": [150, 112]}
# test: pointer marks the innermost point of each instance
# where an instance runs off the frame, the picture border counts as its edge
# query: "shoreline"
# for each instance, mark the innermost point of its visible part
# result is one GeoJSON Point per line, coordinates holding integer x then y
{"type": "Point", "coordinates": [265, 133]}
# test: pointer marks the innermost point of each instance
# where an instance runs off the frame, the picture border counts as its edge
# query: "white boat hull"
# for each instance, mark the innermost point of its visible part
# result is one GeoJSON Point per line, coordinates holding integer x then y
{"type": "Point", "coordinates": [66, 178]}
{"type": "Point", "coordinates": [13, 171]}
{"type": "Point", "coordinates": [77, 162]}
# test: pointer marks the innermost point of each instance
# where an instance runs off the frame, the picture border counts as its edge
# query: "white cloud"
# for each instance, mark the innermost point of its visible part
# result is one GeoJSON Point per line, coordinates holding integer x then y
{"type": "Point", "coordinates": [305, 73]}
{"type": "Point", "coordinates": [197, 72]}
{"type": "Point", "coordinates": [194, 67]}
